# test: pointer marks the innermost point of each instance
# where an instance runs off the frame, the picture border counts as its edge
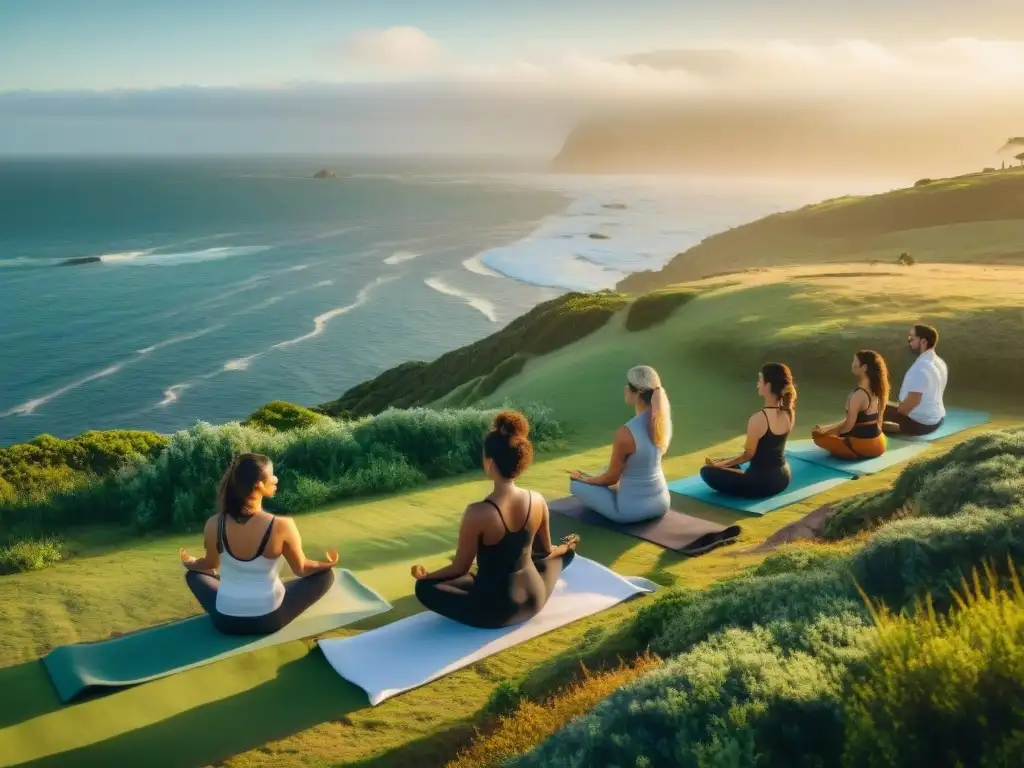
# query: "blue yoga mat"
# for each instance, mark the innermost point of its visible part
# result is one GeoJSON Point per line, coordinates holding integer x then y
{"type": "Point", "coordinates": [808, 479]}
{"type": "Point", "coordinates": [957, 420]}
{"type": "Point", "coordinates": [897, 453]}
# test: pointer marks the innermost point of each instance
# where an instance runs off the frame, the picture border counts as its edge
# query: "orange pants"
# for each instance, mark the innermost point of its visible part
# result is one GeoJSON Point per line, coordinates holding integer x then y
{"type": "Point", "coordinates": [852, 448]}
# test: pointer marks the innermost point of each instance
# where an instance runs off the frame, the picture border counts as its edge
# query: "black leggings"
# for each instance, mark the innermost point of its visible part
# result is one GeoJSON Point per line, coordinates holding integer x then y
{"type": "Point", "coordinates": [523, 599]}
{"type": "Point", "coordinates": [907, 426]}
{"type": "Point", "coordinates": [299, 594]}
{"type": "Point", "coordinates": [759, 484]}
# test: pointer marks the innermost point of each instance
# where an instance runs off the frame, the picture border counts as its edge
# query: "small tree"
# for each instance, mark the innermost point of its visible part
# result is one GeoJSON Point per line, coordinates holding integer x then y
{"type": "Point", "coordinates": [906, 260]}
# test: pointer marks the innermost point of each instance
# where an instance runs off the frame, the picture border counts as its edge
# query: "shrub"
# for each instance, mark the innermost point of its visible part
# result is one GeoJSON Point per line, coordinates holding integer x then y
{"type": "Point", "coordinates": [906, 260]}
{"type": "Point", "coordinates": [943, 690]}
{"type": "Point", "coordinates": [327, 461]}
{"type": "Point", "coordinates": [35, 470]}
{"type": "Point", "coordinates": [279, 416]}
{"type": "Point", "coordinates": [740, 698]}
{"type": "Point", "coordinates": [30, 555]}
{"type": "Point", "coordinates": [655, 308]}
{"type": "Point", "coordinates": [547, 327]}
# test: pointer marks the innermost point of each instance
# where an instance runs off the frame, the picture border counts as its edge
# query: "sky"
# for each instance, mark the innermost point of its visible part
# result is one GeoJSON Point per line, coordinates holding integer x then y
{"type": "Point", "coordinates": [97, 75]}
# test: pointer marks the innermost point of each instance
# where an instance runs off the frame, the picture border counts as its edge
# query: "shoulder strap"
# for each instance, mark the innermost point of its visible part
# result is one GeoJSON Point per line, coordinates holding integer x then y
{"type": "Point", "coordinates": [266, 538]}
{"type": "Point", "coordinates": [529, 509]}
{"type": "Point", "coordinates": [498, 510]}
{"type": "Point", "coordinates": [220, 533]}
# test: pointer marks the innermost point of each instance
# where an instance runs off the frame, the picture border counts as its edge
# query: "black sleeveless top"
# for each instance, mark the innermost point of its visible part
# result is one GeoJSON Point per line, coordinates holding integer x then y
{"type": "Point", "coordinates": [867, 426]}
{"type": "Point", "coordinates": [496, 562]}
{"type": "Point", "coordinates": [770, 453]}
{"type": "Point", "coordinates": [507, 587]}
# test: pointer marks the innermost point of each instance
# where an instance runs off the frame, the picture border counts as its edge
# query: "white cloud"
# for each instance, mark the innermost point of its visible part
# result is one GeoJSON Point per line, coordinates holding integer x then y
{"type": "Point", "coordinates": [852, 67]}
{"type": "Point", "coordinates": [395, 48]}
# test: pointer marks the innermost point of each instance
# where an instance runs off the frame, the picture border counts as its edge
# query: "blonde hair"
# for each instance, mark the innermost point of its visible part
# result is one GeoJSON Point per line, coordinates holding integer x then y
{"type": "Point", "coordinates": [645, 381]}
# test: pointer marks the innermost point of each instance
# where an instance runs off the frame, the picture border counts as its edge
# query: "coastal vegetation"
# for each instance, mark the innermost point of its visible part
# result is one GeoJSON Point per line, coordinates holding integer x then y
{"type": "Point", "coordinates": [896, 638]}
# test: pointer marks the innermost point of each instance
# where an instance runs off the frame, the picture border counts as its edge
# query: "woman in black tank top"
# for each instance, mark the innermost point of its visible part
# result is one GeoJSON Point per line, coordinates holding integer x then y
{"type": "Point", "coordinates": [767, 431]}
{"type": "Point", "coordinates": [859, 435]}
{"type": "Point", "coordinates": [517, 572]}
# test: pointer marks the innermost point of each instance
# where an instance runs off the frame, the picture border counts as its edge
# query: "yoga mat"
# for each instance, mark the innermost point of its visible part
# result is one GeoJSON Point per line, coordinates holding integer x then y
{"type": "Point", "coordinates": [897, 452]}
{"type": "Point", "coordinates": [406, 654]}
{"type": "Point", "coordinates": [174, 647]}
{"type": "Point", "coordinates": [957, 420]}
{"type": "Point", "coordinates": [808, 480]}
{"type": "Point", "coordinates": [674, 530]}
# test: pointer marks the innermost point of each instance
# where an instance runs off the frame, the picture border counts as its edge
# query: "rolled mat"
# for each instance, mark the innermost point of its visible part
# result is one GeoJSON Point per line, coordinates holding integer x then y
{"type": "Point", "coordinates": [412, 652]}
{"type": "Point", "coordinates": [164, 650]}
{"type": "Point", "coordinates": [896, 453]}
{"type": "Point", "coordinates": [682, 533]}
{"type": "Point", "coordinates": [807, 480]}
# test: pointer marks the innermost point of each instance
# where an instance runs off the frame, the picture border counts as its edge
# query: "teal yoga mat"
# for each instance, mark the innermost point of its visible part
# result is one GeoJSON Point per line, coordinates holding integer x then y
{"type": "Point", "coordinates": [808, 479]}
{"type": "Point", "coordinates": [957, 420]}
{"type": "Point", "coordinates": [897, 453]}
{"type": "Point", "coordinates": [164, 650]}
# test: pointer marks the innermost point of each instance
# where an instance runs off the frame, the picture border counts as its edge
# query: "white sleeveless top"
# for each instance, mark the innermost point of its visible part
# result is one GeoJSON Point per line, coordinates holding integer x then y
{"type": "Point", "coordinates": [248, 587]}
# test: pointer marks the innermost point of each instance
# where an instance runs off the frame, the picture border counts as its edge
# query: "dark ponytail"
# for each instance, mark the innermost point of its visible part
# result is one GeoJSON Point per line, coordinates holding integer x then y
{"type": "Point", "coordinates": [878, 378]}
{"type": "Point", "coordinates": [779, 379]}
{"type": "Point", "coordinates": [238, 483]}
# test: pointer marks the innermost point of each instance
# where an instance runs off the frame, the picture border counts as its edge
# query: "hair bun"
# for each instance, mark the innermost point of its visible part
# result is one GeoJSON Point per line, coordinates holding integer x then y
{"type": "Point", "coordinates": [511, 424]}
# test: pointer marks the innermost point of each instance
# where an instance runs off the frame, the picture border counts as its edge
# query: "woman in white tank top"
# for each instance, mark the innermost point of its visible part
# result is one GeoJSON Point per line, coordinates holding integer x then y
{"type": "Point", "coordinates": [249, 546]}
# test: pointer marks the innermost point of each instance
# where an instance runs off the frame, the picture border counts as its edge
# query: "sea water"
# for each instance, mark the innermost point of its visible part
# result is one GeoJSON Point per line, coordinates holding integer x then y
{"type": "Point", "coordinates": [153, 293]}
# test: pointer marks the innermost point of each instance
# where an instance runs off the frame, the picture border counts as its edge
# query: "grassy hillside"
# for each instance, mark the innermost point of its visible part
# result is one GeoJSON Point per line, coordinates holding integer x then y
{"type": "Point", "coordinates": [486, 363]}
{"type": "Point", "coordinates": [710, 350]}
{"type": "Point", "coordinates": [969, 219]}
{"type": "Point", "coordinates": [282, 707]}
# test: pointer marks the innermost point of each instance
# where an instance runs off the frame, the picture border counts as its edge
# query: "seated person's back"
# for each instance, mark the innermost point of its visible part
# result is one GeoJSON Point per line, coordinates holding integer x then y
{"type": "Point", "coordinates": [768, 430]}
{"type": "Point", "coordinates": [249, 546]}
{"type": "Point", "coordinates": [508, 536]}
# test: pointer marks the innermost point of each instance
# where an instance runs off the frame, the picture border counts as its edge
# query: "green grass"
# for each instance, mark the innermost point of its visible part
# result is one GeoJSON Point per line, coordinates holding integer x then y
{"type": "Point", "coordinates": [283, 706]}
{"type": "Point", "coordinates": [977, 218]}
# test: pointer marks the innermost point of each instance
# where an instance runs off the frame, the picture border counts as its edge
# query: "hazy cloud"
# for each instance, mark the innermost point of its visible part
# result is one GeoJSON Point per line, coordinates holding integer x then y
{"type": "Point", "coordinates": [395, 48]}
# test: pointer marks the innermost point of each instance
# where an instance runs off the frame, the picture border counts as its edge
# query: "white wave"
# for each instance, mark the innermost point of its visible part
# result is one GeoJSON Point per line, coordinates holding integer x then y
{"type": "Point", "coordinates": [171, 394]}
{"type": "Point", "coordinates": [195, 257]}
{"type": "Point", "coordinates": [114, 258]}
{"type": "Point", "coordinates": [477, 267]}
{"type": "Point", "coordinates": [178, 339]}
{"type": "Point", "coordinates": [485, 307]}
{"type": "Point", "coordinates": [323, 284]}
{"type": "Point", "coordinates": [241, 363]}
{"type": "Point", "coordinates": [320, 321]}
{"type": "Point", "coordinates": [30, 407]}
{"type": "Point", "coordinates": [399, 256]}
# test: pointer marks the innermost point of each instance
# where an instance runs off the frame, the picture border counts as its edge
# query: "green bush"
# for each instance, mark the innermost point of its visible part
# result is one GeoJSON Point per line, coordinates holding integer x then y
{"type": "Point", "coordinates": [547, 327]}
{"type": "Point", "coordinates": [985, 470]}
{"type": "Point", "coordinates": [655, 308]}
{"type": "Point", "coordinates": [762, 665]}
{"type": "Point", "coordinates": [30, 555]}
{"type": "Point", "coordinates": [943, 690]}
{"type": "Point", "coordinates": [279, 416]}
{"type": "Point", "coordinates": [35, 470]}
{"type": "Point", "coordinates": [741, 698]}
{"type": "Point", "coordinates": [327, 461]}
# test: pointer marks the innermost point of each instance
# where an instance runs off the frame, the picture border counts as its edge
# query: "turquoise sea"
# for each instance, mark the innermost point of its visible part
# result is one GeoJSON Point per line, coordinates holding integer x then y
{"type": "Point", "coordinates": [152, 293]}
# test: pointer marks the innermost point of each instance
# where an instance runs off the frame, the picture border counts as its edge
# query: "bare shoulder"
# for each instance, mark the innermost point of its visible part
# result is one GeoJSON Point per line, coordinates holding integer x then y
{"type": "Point", "coordinates": [211, 523]}
{"type": "Point", "coordinates": [758, 422]}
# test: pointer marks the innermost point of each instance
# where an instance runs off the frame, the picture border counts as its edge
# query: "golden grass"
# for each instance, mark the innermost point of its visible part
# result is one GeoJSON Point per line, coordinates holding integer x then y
{"type": "Point", "coordinates": [531, 722]}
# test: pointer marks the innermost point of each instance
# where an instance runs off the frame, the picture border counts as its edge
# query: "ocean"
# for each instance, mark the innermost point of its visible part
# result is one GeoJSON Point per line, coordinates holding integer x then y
{"type": "Point", "coordinates": [154, 293]}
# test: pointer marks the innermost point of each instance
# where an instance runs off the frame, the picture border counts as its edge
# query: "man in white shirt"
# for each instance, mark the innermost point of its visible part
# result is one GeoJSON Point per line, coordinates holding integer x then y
{"type": "Point", "coordinates": [920, 409]}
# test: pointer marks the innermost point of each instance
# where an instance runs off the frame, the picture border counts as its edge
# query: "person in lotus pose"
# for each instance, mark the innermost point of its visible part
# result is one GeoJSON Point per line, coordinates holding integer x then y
{"type": "Point", "coordinates": [920, 410]}
{"type": "Point", "coordinates": [249, 545]}
{"type": "Point", "coordinates": [637, 450]}
{"type": "Point", "coordinates": [509, 537]}
{"type": "Point", "coordinates": [765, 449]}
{"type": "Point", "coordinates": [859, 435]}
